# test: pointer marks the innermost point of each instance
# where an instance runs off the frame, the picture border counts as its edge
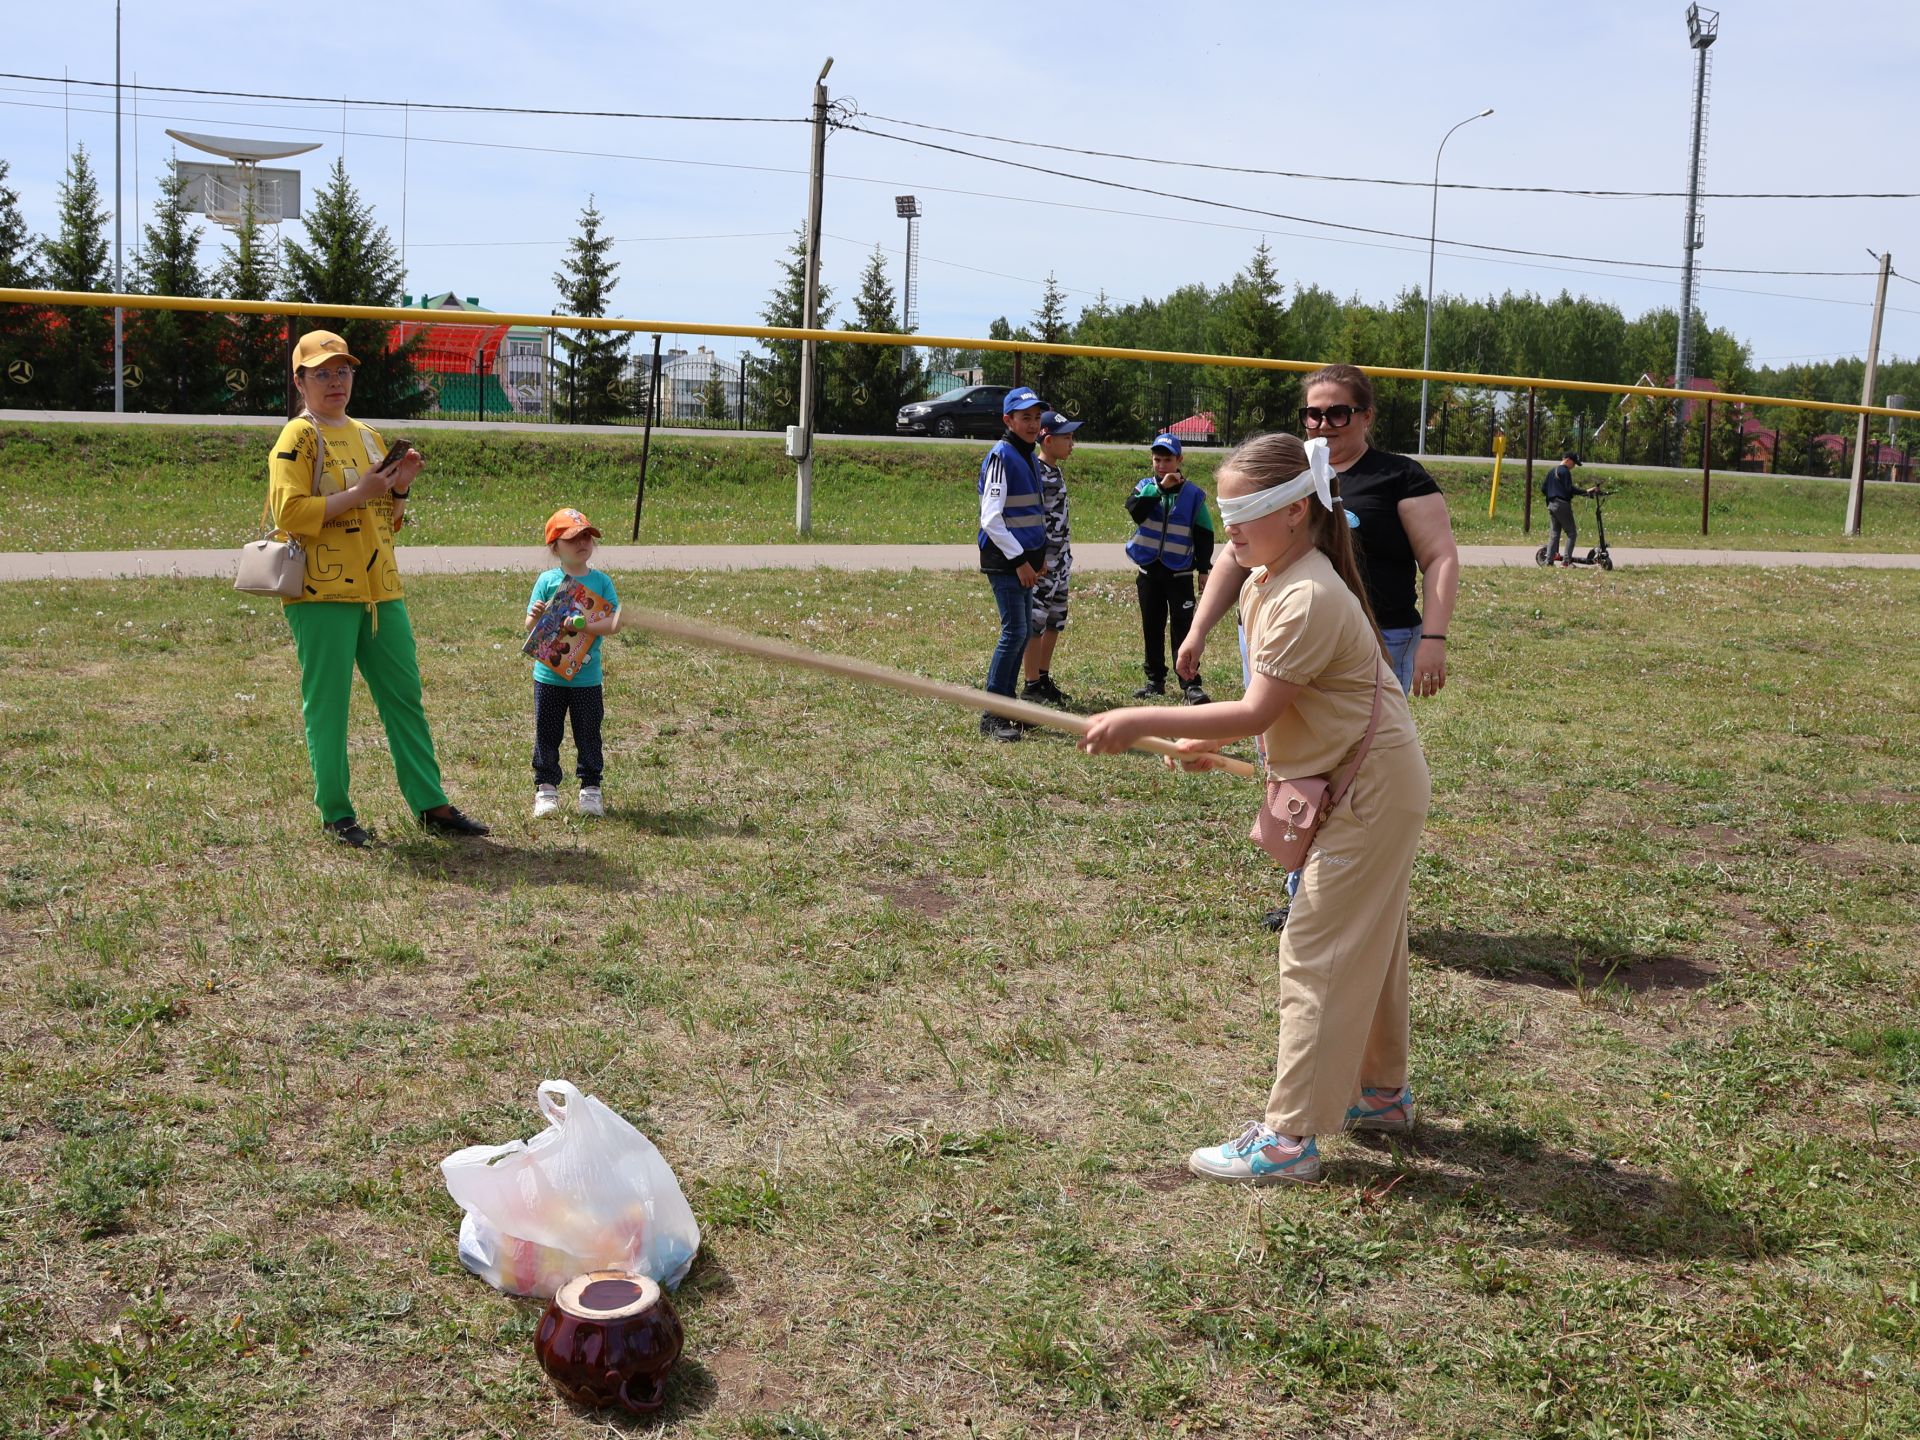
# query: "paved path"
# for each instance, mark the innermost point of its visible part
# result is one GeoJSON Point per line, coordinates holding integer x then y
{"type": "Point", "coordinates": [459, 559]}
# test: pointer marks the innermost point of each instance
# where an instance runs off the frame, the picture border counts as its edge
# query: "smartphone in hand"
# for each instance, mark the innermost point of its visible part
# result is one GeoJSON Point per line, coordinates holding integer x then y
{"type": "Point", "coordinates": [396, 449]}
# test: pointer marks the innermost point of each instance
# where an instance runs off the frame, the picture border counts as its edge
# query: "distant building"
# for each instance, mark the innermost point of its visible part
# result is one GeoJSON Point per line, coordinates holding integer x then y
{"type": "Point", "coordinates": [513, 359]}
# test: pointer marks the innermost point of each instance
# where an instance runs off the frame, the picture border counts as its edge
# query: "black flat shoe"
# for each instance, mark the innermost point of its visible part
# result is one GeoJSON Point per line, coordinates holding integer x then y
{"type": "Point", "coordinates": [453, 823]}
{"type": "Point", "coordinates": [348, 831]}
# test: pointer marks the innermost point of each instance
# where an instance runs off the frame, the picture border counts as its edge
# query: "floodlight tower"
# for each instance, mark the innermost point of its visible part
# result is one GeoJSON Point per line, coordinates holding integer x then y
{"type": "Point", "coordinates": [1703, 28]}
{"type": "Point", "coordinates": [228, 194]}
{"type": "Point", "coordinates": [907, 207]}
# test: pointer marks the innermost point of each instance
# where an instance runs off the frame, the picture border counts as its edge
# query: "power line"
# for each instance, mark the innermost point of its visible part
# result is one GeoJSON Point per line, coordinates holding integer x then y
{"type": "Point", "coordinates": [1506, 256]}
{"type": "Point", "coordinates": [954, 264]}
{"type": "Point", "coordinates": [1411, 184]}
{"type": "Point", "coordinates": [611, 240]}
{"type": "Point", "coordinates": [564, 112]}
{"type": "Point", "coordinates": [429, 105]}
{"type": "Point", "coordinates": [1329, 224]}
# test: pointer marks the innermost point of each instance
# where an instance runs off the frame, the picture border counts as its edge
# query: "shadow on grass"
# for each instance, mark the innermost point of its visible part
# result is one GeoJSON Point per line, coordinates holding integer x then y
{"type": "Point", "coordinates": [1560, 961]}
{"type": "Point", "coordinates": [496, 866]}
{"type": "Point", "coordinates": [1626, 1211]}
{"type": "Point", "coordinates": [679, 824]}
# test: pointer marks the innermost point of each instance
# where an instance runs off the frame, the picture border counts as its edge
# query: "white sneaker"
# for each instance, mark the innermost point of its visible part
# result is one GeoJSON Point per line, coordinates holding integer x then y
{"type": "Point", "coordinates": [590, 802]}
{"type": "Point", "coordinates": [1259, 1155]}
{"type": "Point", "coordinates": [546, 800]}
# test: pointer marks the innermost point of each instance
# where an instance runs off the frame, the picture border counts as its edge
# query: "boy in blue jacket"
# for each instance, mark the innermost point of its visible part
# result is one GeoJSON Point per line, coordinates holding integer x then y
{"type": "Point", "coordinates": [1172, 541]}
{"type": "Point", "coordinates": [1013, 544]}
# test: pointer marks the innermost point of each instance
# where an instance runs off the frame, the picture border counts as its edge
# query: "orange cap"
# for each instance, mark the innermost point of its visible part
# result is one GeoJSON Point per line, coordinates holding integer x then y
{"type": "Point", "coordinates": [565, 524]}
{"type": "Point", "coordinates": [317, 346]}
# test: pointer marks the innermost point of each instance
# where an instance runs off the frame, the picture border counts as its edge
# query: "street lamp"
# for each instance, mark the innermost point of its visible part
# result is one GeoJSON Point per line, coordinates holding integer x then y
{"type": "Point", "coordinates": [1433, 225]}
{"type": "Point", "coordinates": [907, 207]}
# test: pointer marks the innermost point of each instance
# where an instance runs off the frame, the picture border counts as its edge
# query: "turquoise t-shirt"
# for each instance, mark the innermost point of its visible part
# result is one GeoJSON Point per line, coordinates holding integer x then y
{"type": "Point", "coordinates": [544, 589]}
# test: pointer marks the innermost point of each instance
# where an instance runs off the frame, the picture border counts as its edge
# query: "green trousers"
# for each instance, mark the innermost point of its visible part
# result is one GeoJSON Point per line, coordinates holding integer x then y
{"type": "Point", "coordinates": [331, 637]}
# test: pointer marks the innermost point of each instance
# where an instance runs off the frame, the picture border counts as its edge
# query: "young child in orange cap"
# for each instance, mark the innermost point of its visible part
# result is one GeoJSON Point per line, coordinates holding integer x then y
{"type": "Point", "coordinates": [579, 698]}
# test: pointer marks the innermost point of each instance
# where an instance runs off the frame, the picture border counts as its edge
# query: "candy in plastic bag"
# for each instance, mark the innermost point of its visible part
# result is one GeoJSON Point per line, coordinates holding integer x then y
{"type": "Point", "coordinates": [589, 1192]}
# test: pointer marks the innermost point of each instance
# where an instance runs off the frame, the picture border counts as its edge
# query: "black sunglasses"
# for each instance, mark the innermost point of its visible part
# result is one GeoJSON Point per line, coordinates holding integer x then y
{"type": "Point", "coordinates": [1334, 417]}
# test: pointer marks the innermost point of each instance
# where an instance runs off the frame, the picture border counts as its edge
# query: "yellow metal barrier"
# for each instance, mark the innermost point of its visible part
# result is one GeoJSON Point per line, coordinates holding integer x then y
{"type": "Point", "coordinates": [397, 314]}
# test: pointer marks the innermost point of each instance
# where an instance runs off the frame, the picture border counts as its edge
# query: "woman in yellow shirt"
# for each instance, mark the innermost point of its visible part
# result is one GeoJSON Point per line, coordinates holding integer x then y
{"type": "Point", "coordinates": [344, 510]}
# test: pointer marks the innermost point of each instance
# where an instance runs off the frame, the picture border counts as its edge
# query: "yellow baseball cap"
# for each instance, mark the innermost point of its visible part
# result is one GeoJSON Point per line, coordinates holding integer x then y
{"type": "Point", "coordinates": [317, 346]}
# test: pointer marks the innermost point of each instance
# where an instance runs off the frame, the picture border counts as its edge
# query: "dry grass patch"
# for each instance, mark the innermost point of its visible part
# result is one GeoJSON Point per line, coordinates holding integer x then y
{"type": "Point", "coordinates": [927, 1027]}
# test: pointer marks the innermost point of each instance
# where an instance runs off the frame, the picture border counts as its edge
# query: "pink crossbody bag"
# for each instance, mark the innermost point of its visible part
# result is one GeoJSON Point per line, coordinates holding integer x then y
{"type": "Point", "coordinates": [1294, 810]}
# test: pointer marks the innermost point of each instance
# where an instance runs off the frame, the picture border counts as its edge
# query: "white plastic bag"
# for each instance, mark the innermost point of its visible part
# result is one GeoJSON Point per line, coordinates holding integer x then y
{"type": "Point", "coordinates": [589, 1192]}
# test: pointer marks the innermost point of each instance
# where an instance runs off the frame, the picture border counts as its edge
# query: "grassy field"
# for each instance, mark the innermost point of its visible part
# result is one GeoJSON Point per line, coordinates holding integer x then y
{"type": "Point", "coordinates": [927, 1027]}
{"type": "Point", "coordinates": [90, 487]}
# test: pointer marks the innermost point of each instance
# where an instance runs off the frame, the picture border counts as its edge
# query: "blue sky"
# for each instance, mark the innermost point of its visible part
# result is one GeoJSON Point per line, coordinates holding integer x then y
{"type": "Point", "coordinates": [1590, 95]}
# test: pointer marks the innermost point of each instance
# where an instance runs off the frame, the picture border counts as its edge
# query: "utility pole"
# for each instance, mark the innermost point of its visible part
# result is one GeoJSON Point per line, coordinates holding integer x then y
{"type": "Point", "coordinates": [1433, 225]}
{"type": "Point", "coordinates": [1703, 28]}
{"type": "Point", "coordinates": [1857, 492]}
{"type": "Point", "coordinates": [800, 438]}
{"type": "Point", "coordinates": [119, 280]}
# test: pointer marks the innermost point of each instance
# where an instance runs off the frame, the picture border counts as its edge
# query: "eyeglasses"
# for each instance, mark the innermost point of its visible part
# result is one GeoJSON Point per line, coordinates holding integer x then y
{"type": "Point", "coordinates": [332, 373]}
{"type": "Point", "coordinates": [1333, 417]}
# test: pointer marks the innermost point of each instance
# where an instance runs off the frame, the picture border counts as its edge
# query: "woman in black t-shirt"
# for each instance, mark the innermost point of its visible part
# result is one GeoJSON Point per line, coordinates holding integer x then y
{"type": "Point", "coordinates": [1403, 527]}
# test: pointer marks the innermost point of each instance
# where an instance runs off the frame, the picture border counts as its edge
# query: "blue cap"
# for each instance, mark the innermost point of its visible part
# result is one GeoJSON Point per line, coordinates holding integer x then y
{"type": "Point", "coordinates": [1018, 398]}
{"type": "Point", "coordinates": [1054, 423]}
{"type": "Point", "coordinates": [1166, 442]}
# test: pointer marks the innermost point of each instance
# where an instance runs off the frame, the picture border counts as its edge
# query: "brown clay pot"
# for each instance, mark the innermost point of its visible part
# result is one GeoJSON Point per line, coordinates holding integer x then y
{"type": "Point", "coordinates": [609, 1338]}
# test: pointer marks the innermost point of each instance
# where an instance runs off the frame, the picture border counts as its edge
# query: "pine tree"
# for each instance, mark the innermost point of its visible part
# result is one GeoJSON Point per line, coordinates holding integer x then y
{"type": "Point", "coordinates": [787, 305]}
{"type": "Point", "coordinates": [251, 348]}
{"type": "Point", "coordinates": [592, 363]}
{"type": "Point", "coordinates": [997, 365]}
{"type": "Point", "coordinates": [713, 396]}
{"type": "Point", "coordinates": [1096, 389]}
{"type": "Point", "coordinates": [1047, 372]}
{"type": "Point", "coordinates": [349, 259]}
{"type": "Point", "coordinates": [1799, 430]}
{"type": "Point", "coordinates": [79, 348]}
{"type": "Point", "coordinates": [872, 383]}
{"type": "Point", "coordinates": [172, 351]}
{"type": "Point", "coordinates": [22, 331]}
{"type": "Point", "coordinates": [1253, 323]}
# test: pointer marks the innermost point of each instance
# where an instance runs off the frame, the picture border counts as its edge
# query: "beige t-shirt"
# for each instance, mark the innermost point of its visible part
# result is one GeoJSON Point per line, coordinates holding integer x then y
{"type": "Point", "coordinates": [1305, 627]}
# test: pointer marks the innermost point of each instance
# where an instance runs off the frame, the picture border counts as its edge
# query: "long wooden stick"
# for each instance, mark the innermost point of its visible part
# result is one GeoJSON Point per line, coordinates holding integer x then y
{"type": "Point", "coordinates": [716, 637]}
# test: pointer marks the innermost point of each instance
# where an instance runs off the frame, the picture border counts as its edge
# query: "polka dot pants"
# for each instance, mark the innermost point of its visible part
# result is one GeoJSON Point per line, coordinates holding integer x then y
{"type": "Point", "coordinates": [553, 706]}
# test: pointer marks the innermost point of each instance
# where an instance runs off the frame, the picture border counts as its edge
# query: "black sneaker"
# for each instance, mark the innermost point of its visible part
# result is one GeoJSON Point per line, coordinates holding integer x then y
{"type": "Point", "coordinates": [995, 727]}
{"type": "Point", "coordinates": [1194, 695]}
{"type": "Point", "coordinates": [1276, 918]}
{"type": "Point", "coordinates": [452, 822]}
{"type": "Point", "coordinates": [348, 831]}
{"type": "Point", "coordinates": [1150, 689]}
{"type": "Point", "coordinates": [1043, 691]}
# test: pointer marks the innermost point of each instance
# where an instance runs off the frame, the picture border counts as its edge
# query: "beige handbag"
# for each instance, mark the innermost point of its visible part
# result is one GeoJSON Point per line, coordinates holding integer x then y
{"type": "Point", "coordinates": [1293, 811]}
{"type": "Point", "coordinates": [276, 563]}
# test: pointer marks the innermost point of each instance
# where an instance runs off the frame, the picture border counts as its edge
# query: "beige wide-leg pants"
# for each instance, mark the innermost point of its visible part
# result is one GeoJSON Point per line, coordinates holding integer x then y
{"type": "Point", "coordinates": [1343, 954]}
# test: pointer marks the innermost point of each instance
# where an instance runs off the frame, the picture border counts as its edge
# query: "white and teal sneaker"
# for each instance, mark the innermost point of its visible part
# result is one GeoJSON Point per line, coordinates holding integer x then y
{"type": "Point", "coordinates": [1388, 1110]}
{"type": "Point", "coordinates": [1259, 1155]}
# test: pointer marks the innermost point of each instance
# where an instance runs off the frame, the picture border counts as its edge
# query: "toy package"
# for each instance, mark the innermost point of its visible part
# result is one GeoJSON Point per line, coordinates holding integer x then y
{"type": "Point", "coordinates": [552, 642]}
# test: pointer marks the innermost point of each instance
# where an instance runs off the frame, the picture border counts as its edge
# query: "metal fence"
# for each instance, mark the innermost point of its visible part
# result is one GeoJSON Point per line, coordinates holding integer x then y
{"type": "Point", "coordinates": [225, 356]}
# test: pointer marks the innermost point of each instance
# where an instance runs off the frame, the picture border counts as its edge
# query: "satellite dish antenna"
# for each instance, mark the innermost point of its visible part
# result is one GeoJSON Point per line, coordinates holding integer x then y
{"type": "Point", "coordinates": [224, 193]}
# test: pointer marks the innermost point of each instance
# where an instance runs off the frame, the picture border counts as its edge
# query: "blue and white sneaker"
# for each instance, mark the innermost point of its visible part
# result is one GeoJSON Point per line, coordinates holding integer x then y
{"type": "Point", "coordinates": [1388, 1110]}
{"type": "Point", "coordinates": [1259, 1155]}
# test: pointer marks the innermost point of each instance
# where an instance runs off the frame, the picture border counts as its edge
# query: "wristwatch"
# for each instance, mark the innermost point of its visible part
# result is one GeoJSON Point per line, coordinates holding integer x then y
{"type": "Point", "coordinates": [401, 494]}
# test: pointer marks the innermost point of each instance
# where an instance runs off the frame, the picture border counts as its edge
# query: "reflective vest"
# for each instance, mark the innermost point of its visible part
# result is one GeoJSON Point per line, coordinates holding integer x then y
{"type": "Point", "coordinates": [1166, 535]}
{"type": "Point", "coordinates": [1020, 505]}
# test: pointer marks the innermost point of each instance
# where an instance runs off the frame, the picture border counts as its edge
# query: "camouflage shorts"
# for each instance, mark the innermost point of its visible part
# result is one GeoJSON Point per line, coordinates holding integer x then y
{"type": "Point", "coordinates": [1049, 593]}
